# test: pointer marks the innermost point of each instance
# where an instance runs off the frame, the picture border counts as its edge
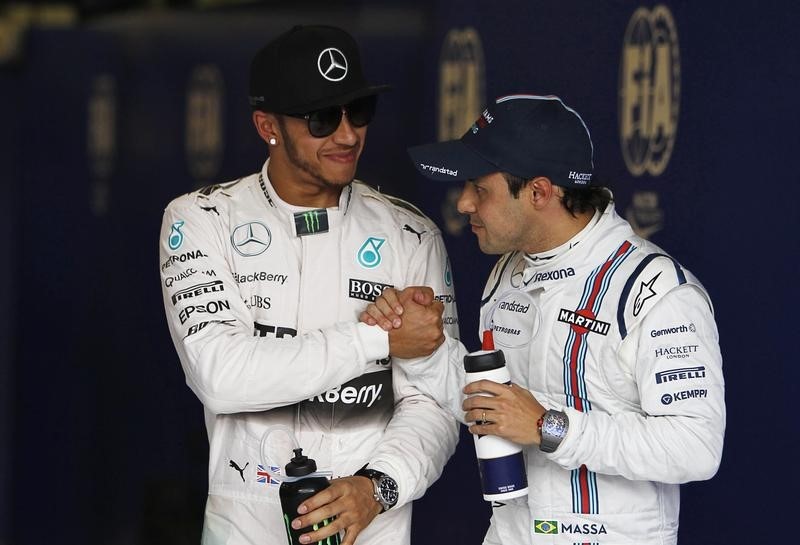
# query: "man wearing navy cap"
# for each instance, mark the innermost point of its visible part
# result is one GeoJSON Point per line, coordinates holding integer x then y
{"type": "Point", "coordinates": [617, 388]}
{"type": "Point", "coordinates": [263, 279]}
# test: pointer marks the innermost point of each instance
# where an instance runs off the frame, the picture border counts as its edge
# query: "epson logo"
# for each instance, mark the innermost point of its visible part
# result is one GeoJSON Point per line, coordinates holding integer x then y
{"type": "Point", "coordinates": [581, 178]}
{"type": "Point", "coordinates": [558, 274]}
{"type": "Point", "coordinates": [667, 399]}
{"type": "Point", "coordinates": [187, 256]}
{"type": "Point", "coordinates": [279, 332]}
{"type": "Point", "coordinates": [583, 323]}
{"type": "Point", "coordinates": [351, 395]}
{"type": "Point", "coordinates": [672, 352]}
{"type": "Point", "coordinates": [209, 308]}
{"type": "Point", "coordinates": [199, 289]}
{"type": "Point", "coordinates": [671, 330]}
{"type": "Point", "coordinates": [680, 374]}
{"type": "Point", "coordinates": [366, 290]}
{"type": "Point", "coordinates": [513, 306]}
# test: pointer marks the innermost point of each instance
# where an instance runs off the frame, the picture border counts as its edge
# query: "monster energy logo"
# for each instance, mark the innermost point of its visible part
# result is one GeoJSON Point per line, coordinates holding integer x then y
{"type": "Point", "coordinates": [330, 540]}
{"type": "Point", "coordinates": [311, 222]}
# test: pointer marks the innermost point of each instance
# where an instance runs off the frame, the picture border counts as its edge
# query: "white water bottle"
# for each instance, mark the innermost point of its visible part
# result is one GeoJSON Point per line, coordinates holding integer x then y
{"type": "Point", "coordinates": [500, 461]}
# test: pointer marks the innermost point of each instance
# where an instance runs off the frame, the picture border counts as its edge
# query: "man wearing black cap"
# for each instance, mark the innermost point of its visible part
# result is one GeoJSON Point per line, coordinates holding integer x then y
{"type": "Point", "coordinates": [263, 279]}
{"type": "Point", "coordinates": [617, 389]}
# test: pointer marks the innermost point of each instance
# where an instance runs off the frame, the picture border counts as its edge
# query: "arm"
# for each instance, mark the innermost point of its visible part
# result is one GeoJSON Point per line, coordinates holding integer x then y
{"type": "Point", "coordinates": [212, 328]}
{"type": "Point", "coordinates": [675, 438]}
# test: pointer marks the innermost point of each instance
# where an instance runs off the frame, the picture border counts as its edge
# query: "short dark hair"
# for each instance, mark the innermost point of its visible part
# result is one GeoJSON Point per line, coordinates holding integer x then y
{"type": "Point", "coordinates": [576, 200]}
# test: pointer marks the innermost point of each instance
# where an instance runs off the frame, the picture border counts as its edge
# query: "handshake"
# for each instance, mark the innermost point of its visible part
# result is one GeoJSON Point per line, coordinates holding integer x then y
{"type": "Point", "coordinates": [412, 317]}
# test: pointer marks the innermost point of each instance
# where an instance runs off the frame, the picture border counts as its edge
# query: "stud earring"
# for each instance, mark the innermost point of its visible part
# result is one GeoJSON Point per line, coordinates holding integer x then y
{"type": "Point", "coordinates": [273, 141]}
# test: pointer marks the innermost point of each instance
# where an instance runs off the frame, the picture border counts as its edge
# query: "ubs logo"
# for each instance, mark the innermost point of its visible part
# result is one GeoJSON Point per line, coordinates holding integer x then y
{"type": "Point", "coordinates": [461, 82]}
{"type": "Point", "coordinates": [332, 64]}
{"type": "Point", "coordinates": [251, 239]}
{"type": "Point", "coordinates": [649, 90]}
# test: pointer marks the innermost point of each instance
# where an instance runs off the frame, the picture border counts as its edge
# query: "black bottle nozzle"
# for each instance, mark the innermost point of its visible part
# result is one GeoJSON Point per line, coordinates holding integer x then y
{"type": "Point", "coordinates": [300, 465]}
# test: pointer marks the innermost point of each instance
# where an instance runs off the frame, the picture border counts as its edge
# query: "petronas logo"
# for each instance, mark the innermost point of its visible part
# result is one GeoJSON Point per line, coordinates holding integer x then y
{"type": "Point", "coordinates": [311, 222]}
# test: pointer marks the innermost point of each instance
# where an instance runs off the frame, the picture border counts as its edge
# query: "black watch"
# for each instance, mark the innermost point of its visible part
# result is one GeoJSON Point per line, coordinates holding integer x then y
{"type": "Point", "coordinates": [385, 488]}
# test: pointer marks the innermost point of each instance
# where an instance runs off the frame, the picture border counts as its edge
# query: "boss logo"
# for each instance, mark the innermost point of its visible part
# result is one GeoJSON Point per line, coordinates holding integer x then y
{"type": "Point", "coordinates": [366, 290]}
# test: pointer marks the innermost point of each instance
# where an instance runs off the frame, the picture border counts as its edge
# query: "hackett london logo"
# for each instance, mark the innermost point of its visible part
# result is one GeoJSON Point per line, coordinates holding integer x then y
{"type": "Point", "coordinates": [649, 90]}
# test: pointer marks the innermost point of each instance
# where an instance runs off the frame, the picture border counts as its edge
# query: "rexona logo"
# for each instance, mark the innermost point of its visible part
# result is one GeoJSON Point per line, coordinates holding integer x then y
{"type": "Point", "coordinates": [366, 290]}
{"type": "Point", "coordinates": [583, 322]}
{"type": "Point", "coordinates": [199, 289]}
{"type": "Point", "coordinates": [680, 374]}
{"type": "Point", "coordinates": [557, 274]}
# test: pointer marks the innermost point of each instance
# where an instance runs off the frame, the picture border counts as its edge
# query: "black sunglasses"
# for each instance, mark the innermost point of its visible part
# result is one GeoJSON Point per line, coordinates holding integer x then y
{"type": "Point", "coordinates": [325, 121]}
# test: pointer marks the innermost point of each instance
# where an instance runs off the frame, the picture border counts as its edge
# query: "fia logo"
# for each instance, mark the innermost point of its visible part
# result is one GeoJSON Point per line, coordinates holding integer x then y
{"type": "Point", "coordinates": [649, 90]}
{"type": "Point", "coordinates": [369, 255]}
{"type": "Point", "coordinates": [175, 235]}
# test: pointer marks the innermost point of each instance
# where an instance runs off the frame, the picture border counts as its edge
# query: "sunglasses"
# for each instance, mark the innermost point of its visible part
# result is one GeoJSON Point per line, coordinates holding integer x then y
{"type": "Point", "coordinates": [325, 121]}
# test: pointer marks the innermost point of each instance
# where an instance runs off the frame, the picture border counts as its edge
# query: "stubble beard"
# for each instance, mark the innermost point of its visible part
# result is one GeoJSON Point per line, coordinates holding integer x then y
{"type": "Point", "coordinates": [311, 170]}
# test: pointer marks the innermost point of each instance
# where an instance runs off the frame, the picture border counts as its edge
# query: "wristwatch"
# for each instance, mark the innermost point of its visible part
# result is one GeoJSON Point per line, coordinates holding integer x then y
{"type": "Point", "coordinates": [553, 426]}
{"type": "Point", "coordinates": [385, 488]}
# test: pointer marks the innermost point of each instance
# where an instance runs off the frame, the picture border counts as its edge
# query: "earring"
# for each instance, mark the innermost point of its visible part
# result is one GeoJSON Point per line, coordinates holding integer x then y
{"type": "Point", "coordinates": [273, 141]}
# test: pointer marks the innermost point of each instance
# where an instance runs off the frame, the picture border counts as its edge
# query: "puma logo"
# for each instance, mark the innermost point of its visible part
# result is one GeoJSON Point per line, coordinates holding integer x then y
{"type": "Point", "coordinates": [410, 229]}
{"type": "Point", "coordinates": [235, 466]}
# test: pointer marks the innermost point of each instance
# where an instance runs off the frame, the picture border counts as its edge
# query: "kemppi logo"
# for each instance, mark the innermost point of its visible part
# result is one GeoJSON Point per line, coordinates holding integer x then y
{"type": "Point", "coordinates": [649, 90]}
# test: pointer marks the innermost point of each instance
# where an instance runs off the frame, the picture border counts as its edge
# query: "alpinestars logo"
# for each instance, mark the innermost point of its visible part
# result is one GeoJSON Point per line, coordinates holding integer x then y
{"type": "Point", "coordinates": [311, 222]}
{"type": "Point", "coordinates": [366, 290]}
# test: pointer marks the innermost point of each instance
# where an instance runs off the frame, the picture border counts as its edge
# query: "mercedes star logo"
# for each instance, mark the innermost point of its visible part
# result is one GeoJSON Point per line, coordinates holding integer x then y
{"type": "Point", "coordinates": [251, 239]}
{"type": "Point", "coordinates": [332, 64]}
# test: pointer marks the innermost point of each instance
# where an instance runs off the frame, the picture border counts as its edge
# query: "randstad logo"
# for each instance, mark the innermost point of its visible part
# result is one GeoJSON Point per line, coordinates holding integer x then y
{"type": "Point", "coordinates": [175, 235]}
{"type": "Point", "coordinates": [369, 255]}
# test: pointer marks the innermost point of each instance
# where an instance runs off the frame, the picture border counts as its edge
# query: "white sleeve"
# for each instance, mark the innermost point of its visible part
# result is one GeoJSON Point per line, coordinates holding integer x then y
{"type": "Point", "coordinates": [226, 366]}
{"type": "Point", "coordinates": [678, 434]}
{"type": "Point", "coordinates": [421, 436]}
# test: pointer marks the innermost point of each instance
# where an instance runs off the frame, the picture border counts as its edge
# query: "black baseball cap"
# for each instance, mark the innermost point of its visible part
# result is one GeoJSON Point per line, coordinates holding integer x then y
{"type": "Point", "coordinates": [524, 135]}
{"type": "Point", "coordinates": [308, 68]}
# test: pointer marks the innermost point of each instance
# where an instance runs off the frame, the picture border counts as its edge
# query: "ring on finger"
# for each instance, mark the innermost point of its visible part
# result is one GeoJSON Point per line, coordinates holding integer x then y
{"type": "Point", "coordinates": [483, 416]}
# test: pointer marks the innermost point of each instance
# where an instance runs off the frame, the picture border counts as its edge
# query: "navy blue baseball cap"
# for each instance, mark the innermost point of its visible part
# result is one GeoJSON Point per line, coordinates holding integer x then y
{"type": "Point", "coordinates": [523, 135]}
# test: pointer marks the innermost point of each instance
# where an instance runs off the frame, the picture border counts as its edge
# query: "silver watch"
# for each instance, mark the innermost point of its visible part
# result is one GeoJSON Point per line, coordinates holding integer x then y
{"type": "Point", "coordinates": [385, 488]}
{"type": "Point", "coordinates": [554, 428]}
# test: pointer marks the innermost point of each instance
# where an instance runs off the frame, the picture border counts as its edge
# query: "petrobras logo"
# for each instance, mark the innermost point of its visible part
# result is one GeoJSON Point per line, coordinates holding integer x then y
{"type": "Point", "coordinates": [684, 373]}
{"type": "Point", "coordinates": [366, 290]}
{"type": "Point", "coordinates": [667, 399]}
{"type": "Point", "coordinates": [366, 395]}
{"type": "Point", "coordinates": [199, 289]}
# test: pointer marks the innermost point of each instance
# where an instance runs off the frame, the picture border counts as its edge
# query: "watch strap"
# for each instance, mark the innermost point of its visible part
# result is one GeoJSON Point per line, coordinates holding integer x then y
{"type": "Point", "coordinates": [553, 426]}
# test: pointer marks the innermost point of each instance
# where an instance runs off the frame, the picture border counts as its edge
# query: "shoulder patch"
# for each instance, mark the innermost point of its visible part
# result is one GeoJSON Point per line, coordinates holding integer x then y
{"type": "Point", "coordinates": [653, 277]}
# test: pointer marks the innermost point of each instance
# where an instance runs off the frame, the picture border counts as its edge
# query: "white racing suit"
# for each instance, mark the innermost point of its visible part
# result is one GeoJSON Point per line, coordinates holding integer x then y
{"type": "Point", "coordinates": [614, 332]}
{"type": "Point", "coordinates": [262, 300]}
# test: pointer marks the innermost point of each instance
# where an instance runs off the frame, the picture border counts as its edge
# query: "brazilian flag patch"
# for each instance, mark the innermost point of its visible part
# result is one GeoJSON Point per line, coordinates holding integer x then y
{"type": "Point", "coordinates": [545, 526]}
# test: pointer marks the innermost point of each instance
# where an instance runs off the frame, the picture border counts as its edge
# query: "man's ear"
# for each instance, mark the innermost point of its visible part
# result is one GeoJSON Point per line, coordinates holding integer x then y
{"type": "Point", "coordinates": [267, 126]}
{"type": "Point", "coordinates": [541, 191]}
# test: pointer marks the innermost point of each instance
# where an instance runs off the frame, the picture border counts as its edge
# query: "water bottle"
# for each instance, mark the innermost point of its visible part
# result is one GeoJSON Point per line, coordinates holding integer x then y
{"type": "Point", "coordinates": [500, 461]}
{"type": "Point", "coordinates": [301, 481]}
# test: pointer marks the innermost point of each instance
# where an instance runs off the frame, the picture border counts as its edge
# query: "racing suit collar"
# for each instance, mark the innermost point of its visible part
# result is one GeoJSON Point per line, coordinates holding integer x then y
{"type": "Point", "coordinates": [304, 220]}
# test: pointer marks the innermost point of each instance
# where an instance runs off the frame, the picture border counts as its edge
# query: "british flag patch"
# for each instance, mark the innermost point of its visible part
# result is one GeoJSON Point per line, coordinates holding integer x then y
{"type": "Point", "coordinates": [268, 474]}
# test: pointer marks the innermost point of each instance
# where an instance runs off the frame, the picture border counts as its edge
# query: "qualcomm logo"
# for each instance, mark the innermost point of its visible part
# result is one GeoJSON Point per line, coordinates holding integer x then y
{"type": "Point", "coordinates": [251, 239]}
{"type": "Point", "coordinates": [175, 235]}
{"type": "Point", "coordinates": [369, 255]}
{"type": "Point", "coordinates": [332, 64]}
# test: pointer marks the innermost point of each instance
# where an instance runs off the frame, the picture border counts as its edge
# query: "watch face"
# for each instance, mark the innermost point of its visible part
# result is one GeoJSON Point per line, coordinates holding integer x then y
{"type": "Point", "coordinates": [388, 490]}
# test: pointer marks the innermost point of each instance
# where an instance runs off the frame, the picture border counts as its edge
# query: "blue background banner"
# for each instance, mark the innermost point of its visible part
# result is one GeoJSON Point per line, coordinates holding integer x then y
{"type": "Point", "coordinates": [693, 112]}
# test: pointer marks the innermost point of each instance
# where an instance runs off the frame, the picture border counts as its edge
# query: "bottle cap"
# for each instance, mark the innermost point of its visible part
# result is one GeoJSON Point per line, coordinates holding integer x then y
{"type": "Point", "coordinates": [484, 360]}
{"type": "Point", "coordinates": [300, 465]}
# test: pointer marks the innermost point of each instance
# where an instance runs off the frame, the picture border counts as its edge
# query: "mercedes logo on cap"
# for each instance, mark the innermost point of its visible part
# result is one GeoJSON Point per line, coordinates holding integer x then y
{"type": "Point", "coordinates": [251, 239]}
{"type": "Point", "coordinates": [332, 64]}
